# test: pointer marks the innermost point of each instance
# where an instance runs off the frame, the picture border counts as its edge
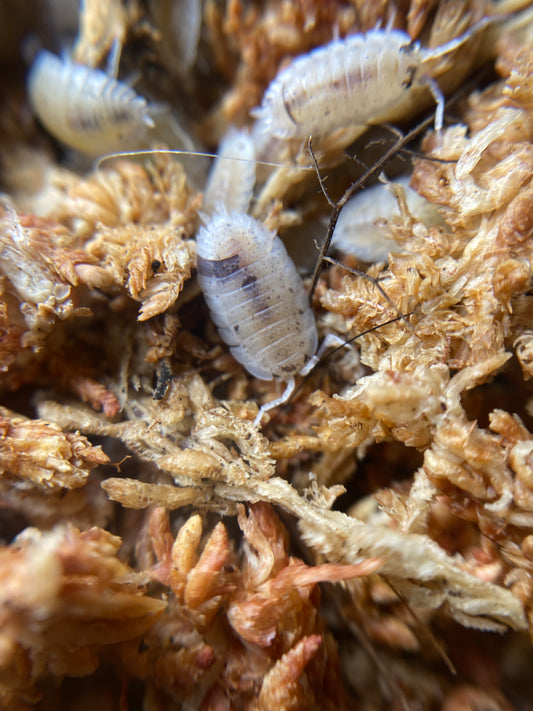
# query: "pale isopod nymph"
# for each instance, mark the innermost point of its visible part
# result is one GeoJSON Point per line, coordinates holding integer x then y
{"type": "Point", "coordinates": [179, 23]}
{"type": "Point", "coordinates": [350, 82]}
{"type": "Point", "coordinates": [256, 298]}
{"type": "Point", "coordinates": [84, 108]}
{"type": "Point", "coordinates": [358, 230]}
{"type": "Point", "coordinates": [231, 181]}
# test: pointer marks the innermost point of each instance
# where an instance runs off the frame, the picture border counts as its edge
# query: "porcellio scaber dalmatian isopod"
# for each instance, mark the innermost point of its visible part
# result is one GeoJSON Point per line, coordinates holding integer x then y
{"type": "Point", "coordinates": [350, 82]}
{"type": "Point", "coordinates": [256, 298]}
{"type": "Point", "coordinates": [85, 108]}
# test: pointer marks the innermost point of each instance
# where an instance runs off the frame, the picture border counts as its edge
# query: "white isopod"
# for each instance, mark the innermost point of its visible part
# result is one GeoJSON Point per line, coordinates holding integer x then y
{"type": "Point", "coordinates": [350, 82]}
{"type": "Point", "coordinates": [179, 23]}
{"type": "Point", "coordinates": [84, 108]}
{"type": "Point", "coordinates": [256, 298]}
{"type": "Point", "coordinates": [232, 178]}
{"type": "Point", "coordinates": [358, 231]}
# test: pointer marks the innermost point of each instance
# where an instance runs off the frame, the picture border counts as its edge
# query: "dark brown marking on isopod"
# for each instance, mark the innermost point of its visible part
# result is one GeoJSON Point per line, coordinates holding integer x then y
{"type": "Point", "coordinates": [84, 122]}
{"type": "Point", "coordinates": [287, 107]}
{"type": "Point", "coordinates": [409, 48]}
{"type": "Point", "coordinates": [287, 368]}
{"type": "Point", "coordinates": [252, 288]}
{"type": "Point", "coordinates": [249, 280]}
{"type": "Point", "coordinates": [218, 268]}
{"type": "Point", "coordinates": [407, 83]}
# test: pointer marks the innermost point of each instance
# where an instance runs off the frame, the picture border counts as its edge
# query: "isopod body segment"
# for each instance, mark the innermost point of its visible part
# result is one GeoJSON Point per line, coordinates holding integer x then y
{"type": "Point", "coordinates": [255, 296]}
{"type": "Point", "coordinates": [231, 181]}
{"type": "Point", "coordinates": [85, 108]}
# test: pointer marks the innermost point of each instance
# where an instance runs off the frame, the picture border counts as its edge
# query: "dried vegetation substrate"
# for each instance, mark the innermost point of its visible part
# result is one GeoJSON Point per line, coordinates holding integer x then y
{"type": "Point", "coordinates": [189, 587]}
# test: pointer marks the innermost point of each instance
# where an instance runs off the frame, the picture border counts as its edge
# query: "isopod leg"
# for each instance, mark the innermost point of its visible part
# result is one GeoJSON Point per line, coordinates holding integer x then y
{"type": "Point", "coordinates": [113, 59]}
{"type": "Point", "coordinates": [330, 341]}
{"type": "Point", "coordinates": [289, 389]}
{"type": "Point", "coordinates": [439, 100]}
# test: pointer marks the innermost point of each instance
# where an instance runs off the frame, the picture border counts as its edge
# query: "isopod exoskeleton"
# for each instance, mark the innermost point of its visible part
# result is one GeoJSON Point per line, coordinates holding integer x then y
{"type": "Point", "coordinates": [84, 108]}
{"type": "Point", "coordinates": [256, 298]}
{"type": "Point", "coordinates": [350, 82]}
{"type": "Point", "coordinates": [359, 231]}
{"type": "Point", "coordinates": [179, 24]}
{"type": "Point", "coordinates": [231, 181]}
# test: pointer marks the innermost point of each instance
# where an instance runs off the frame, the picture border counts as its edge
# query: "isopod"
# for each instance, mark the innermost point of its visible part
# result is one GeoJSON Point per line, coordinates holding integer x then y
{"type": "Point", "coordinates": [357, 231]}
{"type": "Point", "coordinates": [179, 23]}
{"type": "Point", "coordinates": [84, 108]}
{"type": "Point", "coordinates": [232, 178]}
{"type": "Point", "coordinates": [256, 298]}
{"type": "Point", "coordinates": [350, 82]}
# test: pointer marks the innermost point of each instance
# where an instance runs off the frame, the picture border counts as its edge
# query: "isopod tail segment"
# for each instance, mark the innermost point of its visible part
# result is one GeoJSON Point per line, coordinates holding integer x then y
{"type": "Point", "coordinates": [330, 341]}
{"type": "Point", "coordinates": [327, 349]}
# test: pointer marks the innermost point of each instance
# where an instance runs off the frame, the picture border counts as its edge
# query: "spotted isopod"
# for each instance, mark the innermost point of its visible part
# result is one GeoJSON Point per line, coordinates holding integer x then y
{"type": "Point", "coordinates": [256, 298]}
{"type": "Point", "coordinates": [350, 82]}
{"type": "Point", "coordinates": [84, 108]}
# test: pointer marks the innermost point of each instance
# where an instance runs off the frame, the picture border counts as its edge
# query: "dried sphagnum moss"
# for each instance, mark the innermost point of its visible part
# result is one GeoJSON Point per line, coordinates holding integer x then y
{"type": "Point", "coordinates": [94, 293]}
